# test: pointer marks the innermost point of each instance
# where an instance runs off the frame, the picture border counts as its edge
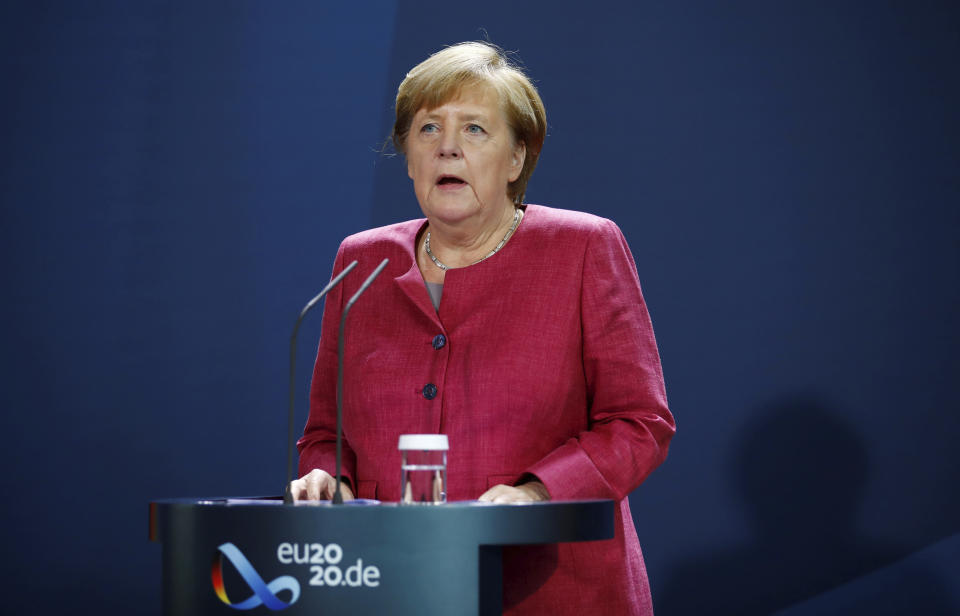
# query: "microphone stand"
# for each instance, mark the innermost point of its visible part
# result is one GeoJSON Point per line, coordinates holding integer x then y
{"type": "Point", "coordinates": [287, 495]}
{"type": "Point", "coordinates": [337, 496]}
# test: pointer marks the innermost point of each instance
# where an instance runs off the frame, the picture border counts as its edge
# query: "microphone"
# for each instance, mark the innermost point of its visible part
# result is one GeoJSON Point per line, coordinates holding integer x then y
{"type": "Point", "coordinates": [287, 496]}
{"type": "Point", "coordinates": [337, 496]}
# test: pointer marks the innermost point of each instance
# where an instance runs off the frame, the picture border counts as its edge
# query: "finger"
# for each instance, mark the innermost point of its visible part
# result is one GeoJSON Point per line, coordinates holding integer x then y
{"type": "Point", "coordinates": [506, 496]}
{"type": "Point", "coordinates": [513, 495]}
{"type": "Point", "coordinates": [491, 494]}
{"type": "Point", "coordinates": [314, 487]}
{"type": "Point", "coordinates": [327, 486]}
{"type": "Point", "coordinates": [296, 489]}
{"type": "Point", "coordinates": [331, 489]}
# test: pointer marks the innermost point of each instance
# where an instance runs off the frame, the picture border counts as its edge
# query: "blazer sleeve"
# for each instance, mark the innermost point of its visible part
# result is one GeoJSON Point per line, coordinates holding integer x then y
{"type": "Point", "coordinates": [629, 424]}
{"type": "Point", "coordinates": [318, 445]}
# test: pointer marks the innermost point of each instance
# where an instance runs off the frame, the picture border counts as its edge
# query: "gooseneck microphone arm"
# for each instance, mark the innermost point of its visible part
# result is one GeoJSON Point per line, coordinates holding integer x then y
{"type": "Point", "coordinates": [287, 496]}
{"type": "Point", "coordinates": [337, 496]}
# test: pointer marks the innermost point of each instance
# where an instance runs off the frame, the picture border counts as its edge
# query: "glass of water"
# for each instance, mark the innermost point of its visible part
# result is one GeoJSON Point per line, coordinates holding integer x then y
{"type": "Point", "coordinates": [423, 469]}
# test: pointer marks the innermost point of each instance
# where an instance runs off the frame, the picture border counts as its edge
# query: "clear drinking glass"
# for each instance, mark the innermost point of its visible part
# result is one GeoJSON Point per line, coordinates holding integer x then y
{"type": "Point", "coordinates": [423, 469]}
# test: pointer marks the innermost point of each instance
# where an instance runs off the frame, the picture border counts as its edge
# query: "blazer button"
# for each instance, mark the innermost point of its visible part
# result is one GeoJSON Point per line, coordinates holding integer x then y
{"type": "Point", "coordinates": [429, 391]}
{"type": "Point", "coordinates": [439, 341]}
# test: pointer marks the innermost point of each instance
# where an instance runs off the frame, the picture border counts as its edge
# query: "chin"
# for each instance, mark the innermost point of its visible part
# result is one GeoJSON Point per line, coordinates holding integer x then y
{"type": "Point", "coordinates": [451, 211]}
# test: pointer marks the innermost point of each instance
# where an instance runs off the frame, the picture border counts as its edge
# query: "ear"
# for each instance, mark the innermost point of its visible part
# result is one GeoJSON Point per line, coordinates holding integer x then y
{"type": "Point", "coordinates": [516, 163]}
{"type": "Point", "coordinates": [409, 169]}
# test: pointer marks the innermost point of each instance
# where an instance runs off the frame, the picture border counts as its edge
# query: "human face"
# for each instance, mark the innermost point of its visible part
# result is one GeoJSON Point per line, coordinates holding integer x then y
{"type": "Point", "coordinates": [461, 156]}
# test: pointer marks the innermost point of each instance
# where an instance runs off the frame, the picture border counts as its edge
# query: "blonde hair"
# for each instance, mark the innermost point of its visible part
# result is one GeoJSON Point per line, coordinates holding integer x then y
{"type": "Point", "coordinates": [440, 78]}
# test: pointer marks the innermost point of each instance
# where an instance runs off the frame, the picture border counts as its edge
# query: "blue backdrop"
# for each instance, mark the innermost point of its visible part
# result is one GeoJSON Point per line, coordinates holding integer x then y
{"type": "Point", "coordinates": [176, 178]}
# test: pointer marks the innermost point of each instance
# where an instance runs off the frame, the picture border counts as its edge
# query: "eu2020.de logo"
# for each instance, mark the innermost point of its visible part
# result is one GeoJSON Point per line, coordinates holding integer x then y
{"type": "Point", "coordinates": [263, 593]}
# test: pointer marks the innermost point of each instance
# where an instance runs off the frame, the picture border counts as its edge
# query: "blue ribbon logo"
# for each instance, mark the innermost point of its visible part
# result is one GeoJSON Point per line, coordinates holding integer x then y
{"type": "Point", "coordinates": [263, 593]}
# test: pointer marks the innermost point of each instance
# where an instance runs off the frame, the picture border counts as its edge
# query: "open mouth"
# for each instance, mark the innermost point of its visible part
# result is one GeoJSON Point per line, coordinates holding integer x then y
{"type": "Point", "coordinates": [450, 180]}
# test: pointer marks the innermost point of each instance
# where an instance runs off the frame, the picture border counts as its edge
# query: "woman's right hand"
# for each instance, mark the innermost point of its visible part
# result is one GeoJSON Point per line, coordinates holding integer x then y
{"type": "Point", "coordinates": [318, 485]}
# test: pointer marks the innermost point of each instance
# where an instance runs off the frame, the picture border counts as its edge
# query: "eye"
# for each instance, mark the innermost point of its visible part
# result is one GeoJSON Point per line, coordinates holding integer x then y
{"type": "Point", "coordinates": [475, 129]}
{"type": "Point", "coordinates": [429, 128]}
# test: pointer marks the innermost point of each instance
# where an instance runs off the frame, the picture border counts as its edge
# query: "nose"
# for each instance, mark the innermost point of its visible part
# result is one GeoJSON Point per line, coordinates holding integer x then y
{"type": "Point", "coordinates": [449, 146]}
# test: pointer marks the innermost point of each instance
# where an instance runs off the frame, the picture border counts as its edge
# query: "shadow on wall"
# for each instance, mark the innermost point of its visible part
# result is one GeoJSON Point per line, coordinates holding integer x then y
{"type": "Point", "coordinates": [800, 472]}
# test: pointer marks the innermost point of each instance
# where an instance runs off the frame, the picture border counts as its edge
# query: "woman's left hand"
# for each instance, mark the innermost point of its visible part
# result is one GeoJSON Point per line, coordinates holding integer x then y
{"type": "Point", "coordinates": [530, 492]}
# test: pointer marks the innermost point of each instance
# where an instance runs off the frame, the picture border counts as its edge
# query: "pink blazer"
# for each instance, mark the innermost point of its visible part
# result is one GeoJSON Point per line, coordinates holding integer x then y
{"type": "Point", "coordinates": [541, 361]}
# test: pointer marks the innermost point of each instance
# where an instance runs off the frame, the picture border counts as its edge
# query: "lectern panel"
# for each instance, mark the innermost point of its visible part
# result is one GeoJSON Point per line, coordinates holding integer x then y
{"type": "Point", "coordinates": [225, 555]}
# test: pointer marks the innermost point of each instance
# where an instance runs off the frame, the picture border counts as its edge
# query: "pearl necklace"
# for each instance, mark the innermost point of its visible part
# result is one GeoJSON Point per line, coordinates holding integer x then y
{"type": "Point", "coordinates": [513, 227]}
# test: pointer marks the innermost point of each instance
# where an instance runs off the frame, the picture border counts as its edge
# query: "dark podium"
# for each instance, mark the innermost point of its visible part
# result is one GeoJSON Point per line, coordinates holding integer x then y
{"type": "Point", "coordinates": [223, 555]}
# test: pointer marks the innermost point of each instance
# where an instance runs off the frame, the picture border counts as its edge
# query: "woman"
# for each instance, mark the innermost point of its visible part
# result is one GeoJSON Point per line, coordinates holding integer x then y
{"type": "Point", "coordinates": [517, 330]}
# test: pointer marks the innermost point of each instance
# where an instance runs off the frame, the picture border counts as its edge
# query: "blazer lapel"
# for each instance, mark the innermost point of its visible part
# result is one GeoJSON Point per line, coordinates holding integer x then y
{"type": "Point", "coordinates": [411, 282]}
